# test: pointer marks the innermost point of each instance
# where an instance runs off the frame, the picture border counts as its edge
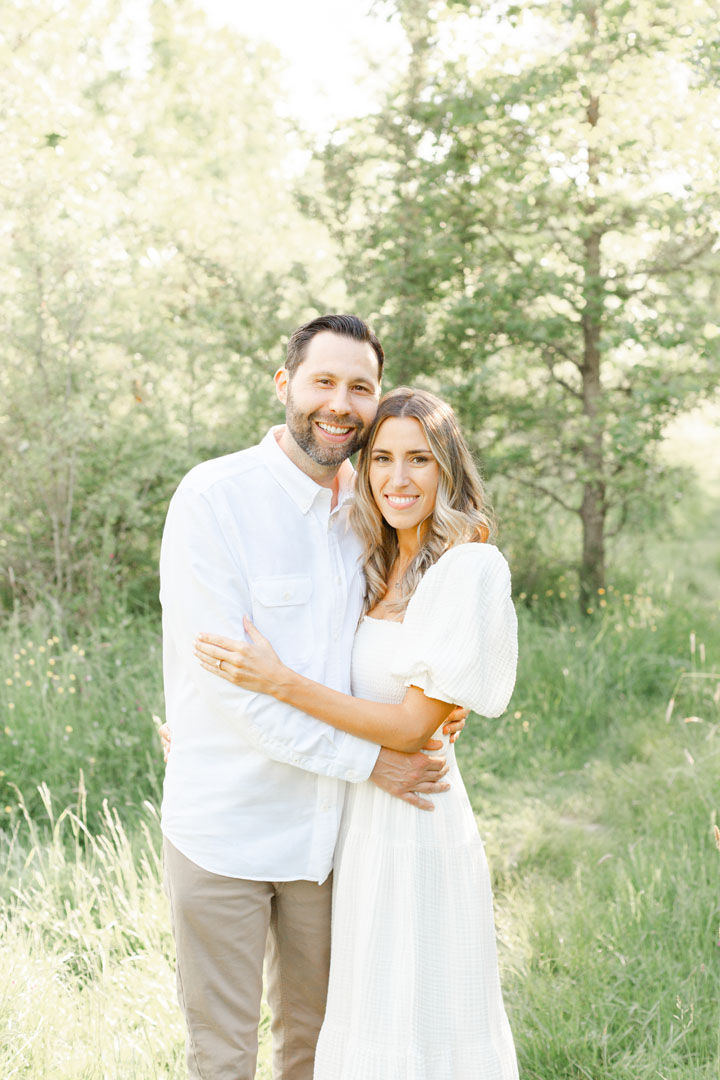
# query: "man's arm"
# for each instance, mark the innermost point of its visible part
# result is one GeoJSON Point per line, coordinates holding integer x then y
{"type": "Point", "coordinates": [203, 584]}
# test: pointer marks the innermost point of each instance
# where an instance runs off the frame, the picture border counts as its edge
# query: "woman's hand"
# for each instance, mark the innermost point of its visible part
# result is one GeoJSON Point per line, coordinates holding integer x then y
{"type": "Point", "coordinates": [254, 665]}
{"type": "Point", "coordinates": [165, 741]}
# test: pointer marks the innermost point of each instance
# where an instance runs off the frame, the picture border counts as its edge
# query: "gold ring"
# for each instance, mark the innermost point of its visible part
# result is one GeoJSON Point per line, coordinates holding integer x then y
{"type": "Point", "coordinates": [219, 664]}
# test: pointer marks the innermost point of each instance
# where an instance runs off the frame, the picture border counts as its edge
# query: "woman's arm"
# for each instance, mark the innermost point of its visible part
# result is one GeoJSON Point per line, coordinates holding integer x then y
{"type": "Point", "coordinates": [254, 665]}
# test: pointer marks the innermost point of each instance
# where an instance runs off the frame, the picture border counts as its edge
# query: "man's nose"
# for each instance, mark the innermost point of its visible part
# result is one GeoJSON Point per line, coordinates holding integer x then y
{"type": "Point", "coordinates": [340, 401]}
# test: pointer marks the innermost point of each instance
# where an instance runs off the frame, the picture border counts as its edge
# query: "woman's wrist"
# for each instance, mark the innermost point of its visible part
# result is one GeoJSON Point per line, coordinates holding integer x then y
{"type": "Point", "coordinates": [287, 685]}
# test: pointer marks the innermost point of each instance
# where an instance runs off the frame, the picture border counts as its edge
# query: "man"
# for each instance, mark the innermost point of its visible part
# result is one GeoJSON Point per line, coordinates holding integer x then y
{"type": "Point", "coordinates": [254, 789]}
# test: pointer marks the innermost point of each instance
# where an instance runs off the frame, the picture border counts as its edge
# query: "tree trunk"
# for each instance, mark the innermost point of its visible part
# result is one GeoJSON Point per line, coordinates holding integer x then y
{"type": "Point", "coordinates": [593, 508]}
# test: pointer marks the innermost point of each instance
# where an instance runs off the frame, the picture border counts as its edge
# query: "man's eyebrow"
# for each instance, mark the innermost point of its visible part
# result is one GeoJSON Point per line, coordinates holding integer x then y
{"type": "Point", "coordinates": [351, 378]}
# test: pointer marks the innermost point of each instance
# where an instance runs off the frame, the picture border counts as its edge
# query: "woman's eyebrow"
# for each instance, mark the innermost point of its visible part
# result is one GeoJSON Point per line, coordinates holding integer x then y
{"type": "Point", "coordinates": [379, 450]}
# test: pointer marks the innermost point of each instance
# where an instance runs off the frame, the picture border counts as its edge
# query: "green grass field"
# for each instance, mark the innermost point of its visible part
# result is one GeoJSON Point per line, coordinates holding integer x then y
{"type": "Point", "coordinates": [597, 795]}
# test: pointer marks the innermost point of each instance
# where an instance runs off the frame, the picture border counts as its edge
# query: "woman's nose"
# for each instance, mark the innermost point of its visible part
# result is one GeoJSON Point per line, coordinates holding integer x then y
{"type": "Point", "coordinates": [400, 476]}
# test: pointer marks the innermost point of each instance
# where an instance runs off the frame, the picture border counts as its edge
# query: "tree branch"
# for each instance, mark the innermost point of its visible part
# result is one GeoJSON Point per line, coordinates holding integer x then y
{"type": "Point", "coordinates": [542, 490]}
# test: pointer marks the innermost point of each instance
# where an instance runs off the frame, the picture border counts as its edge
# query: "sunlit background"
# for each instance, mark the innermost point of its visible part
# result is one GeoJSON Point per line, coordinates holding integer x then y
{"type": "Point", "coordinates": [523, 200]}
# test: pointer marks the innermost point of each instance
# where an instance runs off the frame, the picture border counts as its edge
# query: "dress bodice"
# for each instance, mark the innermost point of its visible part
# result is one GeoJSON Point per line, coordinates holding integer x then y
{"type": "Point", "coordinates": [376, 644]}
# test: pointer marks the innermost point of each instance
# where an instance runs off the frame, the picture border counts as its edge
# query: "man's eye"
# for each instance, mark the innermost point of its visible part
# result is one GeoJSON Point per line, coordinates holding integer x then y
{"type": "Point", "coordinates": [362, 389]}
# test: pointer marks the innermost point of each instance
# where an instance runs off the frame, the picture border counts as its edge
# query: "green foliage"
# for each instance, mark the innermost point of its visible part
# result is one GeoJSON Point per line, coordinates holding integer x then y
{"type": "Point", "coordinates": [532, 217]}
{"type": "Point", "coordinates": [149, 274]}
{"type": "Point", "coordinates": [596, 795]}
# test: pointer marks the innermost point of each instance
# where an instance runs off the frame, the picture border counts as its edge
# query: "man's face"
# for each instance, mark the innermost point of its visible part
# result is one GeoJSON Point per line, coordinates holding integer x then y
{"type": "Point", "coordinates": [331, 400]}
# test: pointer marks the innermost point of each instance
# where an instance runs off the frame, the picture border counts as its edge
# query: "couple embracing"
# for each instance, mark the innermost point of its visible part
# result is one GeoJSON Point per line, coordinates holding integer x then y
{"type": "Point", "coordinates": [337, 619]}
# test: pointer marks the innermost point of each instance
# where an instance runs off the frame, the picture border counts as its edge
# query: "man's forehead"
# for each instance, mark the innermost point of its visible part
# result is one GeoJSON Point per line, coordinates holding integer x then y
{"type": "Point", "coordinates": [338, 354]}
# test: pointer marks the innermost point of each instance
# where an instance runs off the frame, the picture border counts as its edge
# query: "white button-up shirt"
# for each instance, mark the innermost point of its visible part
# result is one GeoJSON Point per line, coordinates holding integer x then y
{"type": "Point", "coordinates": [253, 787]}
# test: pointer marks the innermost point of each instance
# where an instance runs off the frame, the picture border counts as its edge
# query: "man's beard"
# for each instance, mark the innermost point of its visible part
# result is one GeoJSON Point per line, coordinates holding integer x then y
{"type": "Point", "coordinates": [302, 429]}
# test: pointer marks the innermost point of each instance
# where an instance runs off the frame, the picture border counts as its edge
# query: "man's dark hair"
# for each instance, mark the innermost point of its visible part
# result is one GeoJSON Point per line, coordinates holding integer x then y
{"type": "Point", "coordinates": [345, 325]}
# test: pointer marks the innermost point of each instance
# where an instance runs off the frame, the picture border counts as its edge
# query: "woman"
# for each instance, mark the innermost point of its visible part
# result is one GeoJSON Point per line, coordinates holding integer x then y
{"type": "Point", "coordinates": [414, 990]}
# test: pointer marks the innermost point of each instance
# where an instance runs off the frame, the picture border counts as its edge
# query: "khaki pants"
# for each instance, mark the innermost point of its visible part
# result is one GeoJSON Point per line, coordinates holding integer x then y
{"type": "Point", "coordinates": [221, 929]}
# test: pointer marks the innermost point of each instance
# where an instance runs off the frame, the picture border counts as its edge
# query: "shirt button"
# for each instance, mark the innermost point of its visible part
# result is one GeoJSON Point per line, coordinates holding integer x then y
{"type": "Point", "coordinates": [286, 596]}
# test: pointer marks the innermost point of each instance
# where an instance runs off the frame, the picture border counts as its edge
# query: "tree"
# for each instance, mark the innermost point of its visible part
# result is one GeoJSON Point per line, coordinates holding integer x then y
{"type": "Point", "coordinates": [533, 218]}
{"type": "Point", "coordinates": [150, 271]}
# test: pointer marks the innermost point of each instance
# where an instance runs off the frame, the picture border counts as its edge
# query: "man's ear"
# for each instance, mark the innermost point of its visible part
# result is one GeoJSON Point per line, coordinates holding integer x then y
{"type": "Point", "coordinates": [282, 380]}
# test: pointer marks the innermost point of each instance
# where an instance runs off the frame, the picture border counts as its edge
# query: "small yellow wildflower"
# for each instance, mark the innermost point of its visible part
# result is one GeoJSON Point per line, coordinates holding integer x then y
{"type": "Point", "coordinates": [28, 682]}
{"type": "Point", "coordinates": [75, 648]}
{"type": "Point", "coordinates": [16, 656]}
{"type": "Point", "coordinates": [23, 652]}
{"type": "Point", "coordinates": [517, 715]}
{"type": "Point", "coordinates": [61, 689]}
{"type": "Point", "coordinates": [31, 662]}
{"type": "Point", "coordinates": [71, 690]}
{"type": "Point", "coordinates": [526, 725]}
{"type": "Point", "coordinates": [49, 641]}
{"type": "Point", "coordinates": [30, 644]}
{"type": "Point", "coordinates": [41, 648]}
{"type": "Point", "coordinates": [603, 603]}
{"type": "Point", "coordinates": [8, 731]}
{"type": "Point", "coordinates": [523, 596]}
{"type": "Point", "coordinates": [81, 652]}
{"type": "Point", "coordinates": [548, 592]}
{"type": "Point", "coordinates": [8, 682]}
{"type": "Point", "coordinates": [68, 728]}
{"type": "Point", "coordinates": [590, 610]}
{"type": "Point", "coordinates": [8, 809]}
{"type": "Point", "coordinates": [601, 592]}
{"type": "Point", "coordinates": [56, 640]}
{"type": "Point", "coordinates": [73, 676]}
{"type": "Point", "coordinates": [562, 595]}
{"type": "Point", "coordinates": [51, 661]}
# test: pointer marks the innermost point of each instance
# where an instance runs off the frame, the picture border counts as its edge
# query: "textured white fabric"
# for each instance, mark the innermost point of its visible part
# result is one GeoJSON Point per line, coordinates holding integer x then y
{"type": "Point", "coordinates": [414, 987]}
{"type": "Point", "coordinates": [253, 788]}
{"type": "Point", "coordinates": [459, 640]}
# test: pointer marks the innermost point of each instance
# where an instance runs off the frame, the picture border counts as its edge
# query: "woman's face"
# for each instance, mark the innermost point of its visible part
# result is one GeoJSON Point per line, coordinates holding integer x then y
{"type": "Point", "coordinates": [404, 473]}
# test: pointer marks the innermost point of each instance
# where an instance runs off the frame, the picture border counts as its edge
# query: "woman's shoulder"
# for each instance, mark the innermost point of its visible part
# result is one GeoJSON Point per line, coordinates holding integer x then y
{"type": "Point", "coordinates": [470, 571]}
{"type": "Point", "coordinates": [471, 559]}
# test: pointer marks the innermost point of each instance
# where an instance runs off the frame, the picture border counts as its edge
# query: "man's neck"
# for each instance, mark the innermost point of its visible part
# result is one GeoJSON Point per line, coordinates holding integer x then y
{"type": "Point", "coordinates": [324, 475]}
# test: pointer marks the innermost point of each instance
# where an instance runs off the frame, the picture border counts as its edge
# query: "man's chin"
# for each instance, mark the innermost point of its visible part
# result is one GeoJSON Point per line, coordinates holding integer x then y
{"type": "Point", "coordinates": [327, 456]}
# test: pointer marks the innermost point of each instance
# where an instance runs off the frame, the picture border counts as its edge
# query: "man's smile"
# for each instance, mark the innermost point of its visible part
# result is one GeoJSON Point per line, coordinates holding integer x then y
{"type": "Point", "coordinates": [335, 432]}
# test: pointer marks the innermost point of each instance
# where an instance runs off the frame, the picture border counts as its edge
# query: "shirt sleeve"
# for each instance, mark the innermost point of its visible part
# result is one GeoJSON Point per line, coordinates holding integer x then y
{"type": "Point", "coordinates": [203, 588]}
{"type": "Point", "coordinates": [459, 641]}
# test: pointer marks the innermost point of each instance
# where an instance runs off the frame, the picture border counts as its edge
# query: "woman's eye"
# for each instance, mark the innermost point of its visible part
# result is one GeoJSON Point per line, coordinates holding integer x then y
{"type": "Point", "coordinates": [421, 460]}
{"type": "Point", "coordinates": [380, 459]}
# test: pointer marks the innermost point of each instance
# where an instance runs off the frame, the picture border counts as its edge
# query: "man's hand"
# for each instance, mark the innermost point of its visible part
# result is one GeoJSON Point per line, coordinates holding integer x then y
{"type": "Point", "coordinates": [405, 775]}
{"type": "Point", "coordinates": [454, 723]}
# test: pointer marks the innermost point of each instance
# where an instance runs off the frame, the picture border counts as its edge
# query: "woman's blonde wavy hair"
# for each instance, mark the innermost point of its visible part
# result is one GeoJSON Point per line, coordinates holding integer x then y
{"type": "Point", "coordinates": [461, 515]}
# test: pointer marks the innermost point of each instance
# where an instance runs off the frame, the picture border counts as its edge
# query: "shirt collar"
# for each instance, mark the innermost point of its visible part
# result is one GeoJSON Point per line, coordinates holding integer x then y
{"type": "Point", "coordinates": [299, 486]}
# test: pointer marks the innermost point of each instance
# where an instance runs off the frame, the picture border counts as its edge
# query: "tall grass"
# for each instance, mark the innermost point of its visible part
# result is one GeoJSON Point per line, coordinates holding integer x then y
{"type": "Point", "coordinates": [597, 796]}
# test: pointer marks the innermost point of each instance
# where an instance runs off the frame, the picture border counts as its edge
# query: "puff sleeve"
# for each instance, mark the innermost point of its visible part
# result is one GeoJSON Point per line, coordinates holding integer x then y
{"type": "Point", "coordinates": [459, 640]}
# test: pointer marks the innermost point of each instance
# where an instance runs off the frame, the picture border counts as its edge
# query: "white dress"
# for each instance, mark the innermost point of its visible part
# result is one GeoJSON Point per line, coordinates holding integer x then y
{"type": "Point", "coordinates": [414, 990]}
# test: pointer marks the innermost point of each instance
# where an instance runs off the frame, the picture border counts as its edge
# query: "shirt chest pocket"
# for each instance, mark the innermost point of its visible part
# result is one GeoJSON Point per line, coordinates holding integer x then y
{"type": "Point", "coordinates": [283, 613]}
